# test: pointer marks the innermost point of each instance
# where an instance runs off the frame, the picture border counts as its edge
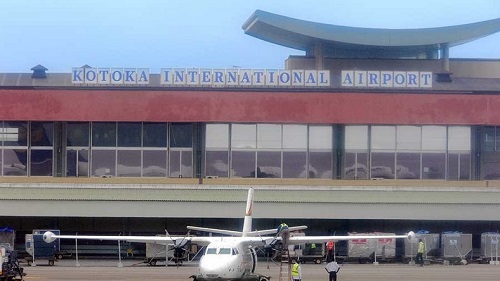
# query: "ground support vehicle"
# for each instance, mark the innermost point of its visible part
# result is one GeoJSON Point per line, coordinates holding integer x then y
{"type": "Point", "coordinates": [9, 265]}
{"type": "Point", "coordinates": [39, 249]}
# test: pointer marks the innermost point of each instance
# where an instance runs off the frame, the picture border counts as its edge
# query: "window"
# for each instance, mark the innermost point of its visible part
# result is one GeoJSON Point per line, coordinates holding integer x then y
{"type": "Point", "coordinates": [129, 134]}
{"type": "Point", "coordinates": [104, 134]}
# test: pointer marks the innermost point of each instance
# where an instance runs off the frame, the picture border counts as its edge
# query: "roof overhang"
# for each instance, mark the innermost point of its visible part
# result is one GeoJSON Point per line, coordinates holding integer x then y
{"type": "Point", "coordinates": [304, 35]}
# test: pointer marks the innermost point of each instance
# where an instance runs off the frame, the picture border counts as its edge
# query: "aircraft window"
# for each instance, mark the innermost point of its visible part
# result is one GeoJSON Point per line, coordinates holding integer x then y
{"type": "Point", "coordinates": [225, 251]}
{"type": "Point", "coordinates": [211, 251]}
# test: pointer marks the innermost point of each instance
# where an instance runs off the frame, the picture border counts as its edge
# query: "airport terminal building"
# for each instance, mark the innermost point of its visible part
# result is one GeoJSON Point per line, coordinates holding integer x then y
{"type": "Point", "coordinates": [372, 129]}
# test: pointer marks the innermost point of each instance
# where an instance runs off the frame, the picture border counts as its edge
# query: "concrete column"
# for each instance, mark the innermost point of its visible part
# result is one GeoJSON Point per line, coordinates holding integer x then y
{"type": "Point", "coordinates": [445, 57]}
{"type": "Point", "coordinates": [318, 56]}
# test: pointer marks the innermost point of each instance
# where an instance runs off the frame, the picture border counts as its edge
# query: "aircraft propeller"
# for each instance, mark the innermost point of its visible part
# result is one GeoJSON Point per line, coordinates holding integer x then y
{"type": "Point", "coordinates": [179, 247]}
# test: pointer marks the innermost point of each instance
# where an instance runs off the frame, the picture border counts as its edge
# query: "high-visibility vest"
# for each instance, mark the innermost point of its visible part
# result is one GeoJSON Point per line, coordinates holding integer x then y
{"type": "Point", "coordinates": [295, 269]}
{"type": "Point", "coordinates": [329, 245]}
{"type": "Point", "coordinates": [313, 246]}
{"type": "Point", "coordinates": [421, 247]}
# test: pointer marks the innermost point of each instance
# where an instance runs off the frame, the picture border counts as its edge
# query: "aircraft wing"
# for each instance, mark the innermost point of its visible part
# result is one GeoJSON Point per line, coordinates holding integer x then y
{"type": "Point", "coordinates": [163, 240]}
{"type": "Point", "coordinates": [318, 239]}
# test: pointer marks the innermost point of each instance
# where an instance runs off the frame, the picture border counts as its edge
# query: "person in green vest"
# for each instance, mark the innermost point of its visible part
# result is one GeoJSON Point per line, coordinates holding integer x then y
{"type": "Point", "coordinates": [312, 249]}
{"type": "Point", "coordinates": [420, 253]}
{"type": "Point", "coordinates": [296, 271]}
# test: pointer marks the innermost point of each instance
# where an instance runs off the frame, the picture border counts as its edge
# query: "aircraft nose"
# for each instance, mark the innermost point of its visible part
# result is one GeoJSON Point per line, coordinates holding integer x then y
{"type": "Point", "coordinates": [210, 267]}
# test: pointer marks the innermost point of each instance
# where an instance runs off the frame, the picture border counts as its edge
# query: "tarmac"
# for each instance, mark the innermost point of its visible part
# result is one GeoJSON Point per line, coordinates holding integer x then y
{"type": "Point", "coordinates": [112, 270]}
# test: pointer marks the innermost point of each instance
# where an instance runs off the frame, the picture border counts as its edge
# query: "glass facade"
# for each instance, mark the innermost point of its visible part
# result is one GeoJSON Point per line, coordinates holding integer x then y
{"type": "Point", "coordinates": [249, 150]}
{"type": "Point", "coordinates": [408, 152]}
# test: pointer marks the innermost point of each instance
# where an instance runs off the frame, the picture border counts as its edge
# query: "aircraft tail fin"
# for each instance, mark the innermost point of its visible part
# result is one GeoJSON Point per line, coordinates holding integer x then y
{"type": "Point", "coordinates": [247, 223]}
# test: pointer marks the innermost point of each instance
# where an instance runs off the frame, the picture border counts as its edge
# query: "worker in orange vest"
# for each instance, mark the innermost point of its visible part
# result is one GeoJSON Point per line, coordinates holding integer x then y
{"type": "Point", "coordinates": [330, 246]}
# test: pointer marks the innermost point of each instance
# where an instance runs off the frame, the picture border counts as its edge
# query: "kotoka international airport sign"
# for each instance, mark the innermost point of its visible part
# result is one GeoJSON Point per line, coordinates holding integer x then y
{"type": "Point", "coordinates": [387, 79]}
{"type": "Point", "coordinates": [203, 77]}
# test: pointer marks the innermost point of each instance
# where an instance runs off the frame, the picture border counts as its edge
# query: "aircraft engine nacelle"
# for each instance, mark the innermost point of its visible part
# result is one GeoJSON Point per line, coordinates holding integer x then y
{"type": "Point", "coordinates": [412, 237]}
{"type": "Point", "coordinates": [48, 237]}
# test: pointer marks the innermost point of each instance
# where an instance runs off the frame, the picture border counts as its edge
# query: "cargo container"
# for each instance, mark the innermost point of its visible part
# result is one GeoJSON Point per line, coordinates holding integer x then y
{"type": "Point", "coordinates": [39, 249]}
{"type": "Point", "coordinates": [456, 246]}
{"type": "Point", "coordinates": [489, 246]}
{"type": "Point", "coordinates": [364, 250]}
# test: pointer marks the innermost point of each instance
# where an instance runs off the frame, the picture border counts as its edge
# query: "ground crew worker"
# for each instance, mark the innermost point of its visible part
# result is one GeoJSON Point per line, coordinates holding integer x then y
{"type": "Point", "coordinates": [332, 268]}
{"type": "Point", "coordinates": [330, 246]}
{"type": "Point", "coordinates": [420, 253]}
{"type": "Point", "coordinates": [284, 232]}
{"type": "Point", "coordinates": [296, 271]}
{"type": "Point", "coordinates": [312, 249]}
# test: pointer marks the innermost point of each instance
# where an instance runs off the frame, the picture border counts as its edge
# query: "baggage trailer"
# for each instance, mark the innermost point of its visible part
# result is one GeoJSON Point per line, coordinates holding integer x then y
{"type": "Point", "coordinates": [39, 249]}
{"type": "Point", "coordinates": [365, 250]}
{"type": "Point", "coordinates": [455, 247]}
{"type": "Point", "coordinates": [431, 243]}
{"type": "Point", "coordinates": [490, 248]}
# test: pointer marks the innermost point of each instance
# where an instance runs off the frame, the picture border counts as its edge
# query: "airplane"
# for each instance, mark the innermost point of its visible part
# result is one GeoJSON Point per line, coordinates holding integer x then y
{"type": "Point", "coordinates": [228, 257]}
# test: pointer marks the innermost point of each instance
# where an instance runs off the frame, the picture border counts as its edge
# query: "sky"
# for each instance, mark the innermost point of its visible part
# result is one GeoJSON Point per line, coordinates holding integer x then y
{"type": "Point", "coordinates": [158, 34]}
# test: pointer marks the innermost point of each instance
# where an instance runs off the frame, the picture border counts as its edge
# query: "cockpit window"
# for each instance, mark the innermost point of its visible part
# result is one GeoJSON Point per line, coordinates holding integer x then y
{"type": "Point", "coordinates": [225, 251]}
{"type": "Point", "coordinates": [235, 251]}
{"type": "Point", "coordinates": [211, 251]}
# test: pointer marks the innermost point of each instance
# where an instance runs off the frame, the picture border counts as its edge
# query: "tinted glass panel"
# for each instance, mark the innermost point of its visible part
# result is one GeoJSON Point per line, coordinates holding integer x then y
{"type": "Point", "coordinates": [154, 134]}
{"type": "Point", "coordinates": [434, 138]}
{"type": "Point", "coordinates": [320, 165]}
{"type": "Point", "coordinates": [217, 136]}
{"type": "Point", "coordinates": [71, 163]}
{"type": "Point", "coordinates": [453, 167]}
{"type": "Point", "coordinates": [41, 163]}
{"type": "Point", "coordinates": [382, 165]}
{"type": "Point", "coordinates": [181, 135]}
{"type": "Point", "coordinates": [433, 165]}
{"type": "Point", "coordinates": [243, 164]}
{"type": "Point", "coordinates": [77, 134]}
{"type": "Point", "coordinates": [465, 166]}
{"type": "Point", "coordinates": [320, 137]}
{"type": "Point", "coordinates": [104, 134]}
{"type": "Point", "coordinates": [16, 133]}
{"type": "Point", "coordinates": [268, 136]}
{"type": "Point", "coordinates": [268, 164]}
{"type": "Point", "coordinates": [408, 166]}
{"type": "Point", "coordinates": [244, 136]}
{"type": "Point", "coordinates": [349, 166]}
{"type": "Point", "coordinates": [15, 162]}
{"type": "Point", "coordinates": [187, 164]}
{"type": "Point", "coordinates": [294, 165]}
{"type": "Point", "coordinates": [491, 171]}
{"type": "Point", "coordinates": [217, 164]}
{"type": "Point", "coordinates": [409, 138]}
{"type": "Point", "coordinates": [459, 138]}
{"type": "Point", "coordinates": [383, 137]}
{"type": "Point", "coordinates": [175, 164]}
{"type": "Point", "coordinates": [77, 163]}
{"type": "Point", "coordinates": [129, 134]}
{"type": "Point", "coordinates": [489, 138]}
{"type": "Point", "coordinates": [103, 163]}
{"type": "Point", "coordinates": [154, 163]}
{"type": "Point", "coordinates": [129, 163]}
{"type": "Point", "coordinates": [356, 137]}
{"type": "Point", "coordinates": [295, 137]}
{"type": "Point", "coordinates": [42, 133]}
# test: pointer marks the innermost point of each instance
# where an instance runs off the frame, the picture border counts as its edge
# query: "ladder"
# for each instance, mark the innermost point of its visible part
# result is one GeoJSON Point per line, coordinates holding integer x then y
{"type": "Point", "coordinates": [285, 265]}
